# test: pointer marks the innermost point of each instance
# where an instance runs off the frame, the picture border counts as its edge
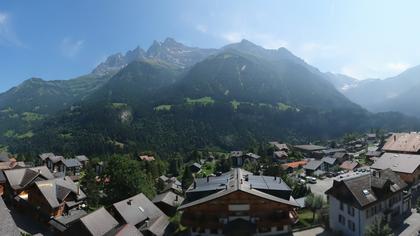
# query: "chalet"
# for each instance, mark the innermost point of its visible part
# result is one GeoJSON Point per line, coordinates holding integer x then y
{"type": "Point", "coordinates": [19, 180]}
{"type": "Point", "coordinates": [7, 224]}
{"type": "Point", "coordinates": [140, 212]}
{"type": "Point", "coordinates": [310, 150]}
{"type": "Point", "coordinates": [61, 224]}
{"type": "Point", "coordinates": [69, 167]}
{"type": "Point", "coordinates": [403, 143]}
{"type": "Point", "coordinates": [239, 158]}
{"type": "Point", "coordinates": [82, 159]}
{"type": "Point", "coordinates": [293, 166]}
{"type": "Point", "coordinates": [54, 163]}
{"type": "Point", "coordinates": [407, 166]}
{"type": "Point", "coordinates": [314, 166]}
{"type": "Point", "coordinates": [55, 196]}
{"type": "Point", "coordinates": [329, 162]}
{"type": "Point", "coordinates": [174, 187]}
{"type": "Point", "coordinates": [168, 202]}
{"type": "Point", "coordinates": [195, 167]}
{"type": "Point", "coordinates": [146, 158]}
{"type": "Point", "coordinates": [371, 154]}
{"type": "Point", "coordinates": [97, 223]}
{"type": "Point", "coordinates": [280, 146]}
{"type": "Point", "coordinates": [239, 203]}
{"type": "Point", "coordinates": [280, 156]}
{"type": "Point", "coordinates": [357, 201]}
{"type": "Point", "coordinates": [349, 165]}
{"type": "Point", "coordinates": [341, 157]}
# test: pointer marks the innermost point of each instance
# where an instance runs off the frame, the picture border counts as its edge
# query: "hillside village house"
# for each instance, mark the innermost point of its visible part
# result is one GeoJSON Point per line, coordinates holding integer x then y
{"type": "Point", "coordinates": [20, 180]}
{"type": "Point", "coordinates": [54, 197]}
{"type": "Point", "coordinates": [168, 202]}
{"type": "Point", "coordinates": [403, 143]}
{"type": "Point", "coordinates": [355, 202]}
{"type": "Point", "coordinates": [140, 212]}
{"type": "Point", "coordinates": [239, 158]}
{"type": "Point", "coordinates": [310, 150]}
{"type": "Point", "coordinates": [293, 166]}
{"type": "Point", "coordinates": [239, 203]}
{"type": "Point", "coordinates": [280, 146]}
{"type": "Point", "coordinates": [407, 166]}
{"type": "Point", "coordinates": [97, 223]}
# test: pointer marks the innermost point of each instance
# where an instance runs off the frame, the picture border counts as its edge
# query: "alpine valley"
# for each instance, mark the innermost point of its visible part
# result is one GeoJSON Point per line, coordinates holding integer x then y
{"type": "Point", "coordinates": [173, 98]}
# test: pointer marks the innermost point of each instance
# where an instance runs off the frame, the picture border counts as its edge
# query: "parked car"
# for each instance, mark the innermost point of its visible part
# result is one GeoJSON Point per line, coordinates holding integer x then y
{"type": "Point", "coordinates": [311, 180]}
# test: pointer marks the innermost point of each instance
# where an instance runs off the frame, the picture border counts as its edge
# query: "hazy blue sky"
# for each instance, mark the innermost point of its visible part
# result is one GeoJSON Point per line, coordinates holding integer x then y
{"type": "Point", "coordinates": [63, 39]}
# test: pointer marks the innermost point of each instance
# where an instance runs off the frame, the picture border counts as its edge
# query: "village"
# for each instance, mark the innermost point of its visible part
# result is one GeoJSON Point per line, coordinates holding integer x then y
{"type": "Point", "coordinates": [308, 189]}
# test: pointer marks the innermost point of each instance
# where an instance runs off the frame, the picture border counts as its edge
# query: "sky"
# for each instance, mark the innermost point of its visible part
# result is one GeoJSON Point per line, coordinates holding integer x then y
{"type": "Point", "coordinates": [64, 39]}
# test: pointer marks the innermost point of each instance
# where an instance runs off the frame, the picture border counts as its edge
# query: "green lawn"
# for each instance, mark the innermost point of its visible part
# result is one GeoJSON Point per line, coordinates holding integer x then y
{"type": "Point", "coordinates": [203, 101]}
{"type": "Point", "coordinates": [117, 105]}
{"type": "Point", "coordinates": [208, 168]}
{"type": "Point", "coordinates": [30, 116]}
{"type": "Point", "coordinates": [305, 218]}
{"type": "Point", "coordinates": [163, 108]}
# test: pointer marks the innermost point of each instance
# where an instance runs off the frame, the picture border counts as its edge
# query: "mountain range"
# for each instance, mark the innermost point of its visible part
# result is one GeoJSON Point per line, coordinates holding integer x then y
{"type": "Point", "coordinates": [172, 97]}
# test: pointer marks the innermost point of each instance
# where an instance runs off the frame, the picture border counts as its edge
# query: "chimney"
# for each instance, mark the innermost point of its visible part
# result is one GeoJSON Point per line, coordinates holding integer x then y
{"type": "Point", "coordinates": [147, 223]}
{"type": "Point", "coordinates": [208, 179]}
{"type": "Point", "coordinates": [395, 138]}
{"type": "Point", "coordinates": [176, 197]}
{"type": "Point", "coordinates": [195, 185]}
{"type": "Point", "coordinates": [242, 181]}
{"type": "Point", "coordinates": [250, 186]}
{"type": "Point", "coordinates": [275, 177]}
{"type": "Point", "coordinates": [129, 201]}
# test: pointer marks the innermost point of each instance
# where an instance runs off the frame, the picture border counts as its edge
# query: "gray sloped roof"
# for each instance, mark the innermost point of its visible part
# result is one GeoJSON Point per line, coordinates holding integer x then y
{"type": "Point", "coordinates": [329, 160]}
{"type": "Point", "coordinates": [44, 156]}
{"type": "Point", "coordinates": [157, 226]}
{"type": "Point", "coordinates": [403, 163]}
{"type": "Point", "coordinates": [170, 198]}
{"type": "Point", "coordinates": [235, 182]}
{"type": "Point", "coordinates": [71, 163]}
{"type": "Point", "coordinates": [310, 147]}
{"type": "Point", "coordinates": [82, 158]}
{"type": "Point", "coordinates": [125, 230]}
{"type": "Point", "coordinates": [137, 209]}
{"type": "Point", "coordinates": [19, 178]}
{"type": "Point", "coordinates": [56, 190]}
{"type": "Point", "coordinates": [99, 222]}
{"type": "Point", "coordinates": [369, 188]}
{"type": "Point", "coordinates": [313, 165]}
{"type": "Point", "coordinates": [7, 224]}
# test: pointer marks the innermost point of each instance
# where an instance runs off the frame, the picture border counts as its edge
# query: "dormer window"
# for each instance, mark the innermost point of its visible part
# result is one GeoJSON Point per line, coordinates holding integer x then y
{"type": "Point", "coordinates": [365, 192]}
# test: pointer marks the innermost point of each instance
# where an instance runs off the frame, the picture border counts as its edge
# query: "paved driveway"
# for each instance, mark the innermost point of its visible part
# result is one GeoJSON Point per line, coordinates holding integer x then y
{"type": "Point", "coordinates": [410, 226]}
{"type": "Point", "coordinates": [321, 186]}
{"type": "Point", "coordinates": [318, 231]}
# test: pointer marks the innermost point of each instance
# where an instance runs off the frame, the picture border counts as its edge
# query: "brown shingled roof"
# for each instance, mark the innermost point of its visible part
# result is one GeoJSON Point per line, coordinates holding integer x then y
{"type": "Point", "coordinates": [403, 142]}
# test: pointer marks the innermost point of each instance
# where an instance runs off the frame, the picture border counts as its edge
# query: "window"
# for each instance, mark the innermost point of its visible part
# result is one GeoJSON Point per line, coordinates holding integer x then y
{"type": "Point", "coordinates": [350, 210]}
{"type": "Point", "coordinates": [341, 206]}
{"type": "Point", "coordinates": [341, 219]}
{"type": "Point", "coordinates": [351, 225]}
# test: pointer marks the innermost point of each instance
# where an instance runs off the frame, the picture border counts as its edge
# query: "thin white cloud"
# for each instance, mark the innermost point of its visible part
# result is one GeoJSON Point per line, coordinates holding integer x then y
{"type": "Point", "coordinates": [3, 18]}
{"type": "Point", "coordinates": [398, 67]}
{"type": "Point", "coordinates": [201, 28]}
{"type": "Point", "coordinates": [7, 35]}
{"type": "Point", "coordinates": [379, 70]}
{"type": "Point", "coordinates": [70, 48]}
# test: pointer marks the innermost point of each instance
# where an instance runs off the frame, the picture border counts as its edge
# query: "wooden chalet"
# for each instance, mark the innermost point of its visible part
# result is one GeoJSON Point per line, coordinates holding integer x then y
{"type": "Point", "coordinates": [239, 203]}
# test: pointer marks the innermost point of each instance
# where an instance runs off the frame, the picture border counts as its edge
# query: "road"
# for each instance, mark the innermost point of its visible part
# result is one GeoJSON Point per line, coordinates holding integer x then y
{"type": "Point", "coordinates": [317, 231]}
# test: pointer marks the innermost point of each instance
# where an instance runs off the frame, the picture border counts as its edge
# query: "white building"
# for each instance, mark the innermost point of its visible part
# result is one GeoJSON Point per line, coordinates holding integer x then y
{"type": "Point", "coordinates": [357, 201]}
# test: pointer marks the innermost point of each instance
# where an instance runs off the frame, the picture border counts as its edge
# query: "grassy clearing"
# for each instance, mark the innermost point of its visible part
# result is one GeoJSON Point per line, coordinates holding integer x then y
{"type": "Point", "coordinates": [208, 168]}
{"type": "Point", "coordinates": [30, 116]}
{"type": "Point", "coordinates": [202, 101]}
{"type": "Point", "coordinates": [305, 218]}
{"type": "Point", "coordinates": [117, 105]}
{"type": "Point", "coordinates": [28, 134]}
{"type": "Point", "coordinates": [282, 106]}
{"type": "Point", "coordinates": [163, 108]}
